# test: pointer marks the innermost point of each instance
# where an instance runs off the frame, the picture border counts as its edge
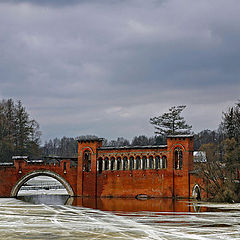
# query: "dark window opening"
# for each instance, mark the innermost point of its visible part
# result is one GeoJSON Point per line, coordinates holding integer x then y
{"type": "Point", "coordinates": [100, 165]}
{"type": "Point", "coordinates": [112, 163]}
{"type": "Point", "coordinates": [131, 163]}
{"type": "Point", "coordinates": [87, 161]}
{"type": "Point", "coordinates": [125, 163]}
{"type": "Point", "coordinates": [151, 163]}
{"type": "Point", "coordinates": [138, 161]}
{"type": "Point", "coordinates": [164, 162]}
{"type": "Point", "coordinates": [118, 163]}
{"type": "Point", "coordinates": [178, 158]}
{"type": "Point", "coordinates": [157, 162]}
{"type": "Point", "coordinates": [144, 162]}
{"type": "Point", "coordinates": [106, 163]}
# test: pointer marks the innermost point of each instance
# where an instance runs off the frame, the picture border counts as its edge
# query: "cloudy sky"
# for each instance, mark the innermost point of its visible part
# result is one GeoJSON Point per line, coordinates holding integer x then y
{"type": "Point", "coordinates": [105, 67]}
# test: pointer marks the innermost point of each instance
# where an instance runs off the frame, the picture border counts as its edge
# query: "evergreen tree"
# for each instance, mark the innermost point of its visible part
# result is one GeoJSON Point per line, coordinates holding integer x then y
{"type": "Point", "coordinates": [171, 123]}
{"type": "Point", "coordinates": [140, 141]}
{"type": "Point", "coordinates": [231, 122]}
{"type": "Point", "coordinates": [19, 134]}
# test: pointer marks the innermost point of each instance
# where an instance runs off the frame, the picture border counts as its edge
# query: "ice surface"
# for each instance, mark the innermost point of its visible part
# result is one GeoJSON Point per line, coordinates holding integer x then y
{"type": "Point", "coordinates": [21, 220]}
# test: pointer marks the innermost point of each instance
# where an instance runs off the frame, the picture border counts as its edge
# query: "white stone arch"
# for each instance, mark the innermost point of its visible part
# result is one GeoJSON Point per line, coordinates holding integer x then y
{"type": "Point", "coordinates": [37, 173]}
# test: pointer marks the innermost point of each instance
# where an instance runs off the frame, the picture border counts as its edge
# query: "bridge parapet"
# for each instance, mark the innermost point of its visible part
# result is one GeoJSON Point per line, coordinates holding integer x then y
{"type": "Point", "coordinates": [64, 170]}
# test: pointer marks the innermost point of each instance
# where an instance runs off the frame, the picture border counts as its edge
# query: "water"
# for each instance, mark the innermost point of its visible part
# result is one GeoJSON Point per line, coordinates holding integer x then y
{"type": "Point", "coordinates": [116, 219]}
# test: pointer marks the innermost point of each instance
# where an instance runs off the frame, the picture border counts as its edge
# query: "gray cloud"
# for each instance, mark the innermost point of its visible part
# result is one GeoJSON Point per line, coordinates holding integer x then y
{"type": "Point", "coordinates": [105, 68]}
{"type": "Point", "coordinates": [52, 3]}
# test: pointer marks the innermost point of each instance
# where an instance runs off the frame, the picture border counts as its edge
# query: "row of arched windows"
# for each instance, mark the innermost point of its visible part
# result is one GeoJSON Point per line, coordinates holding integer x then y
{"type": "Point", "coordinates": [131, 163]}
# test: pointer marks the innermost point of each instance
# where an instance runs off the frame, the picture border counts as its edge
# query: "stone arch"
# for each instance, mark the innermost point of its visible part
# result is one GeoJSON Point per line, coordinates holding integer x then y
{"type": "Point", "coordinates": [196, 192]}
{"type": "Point", "coordinates": [37, 173]}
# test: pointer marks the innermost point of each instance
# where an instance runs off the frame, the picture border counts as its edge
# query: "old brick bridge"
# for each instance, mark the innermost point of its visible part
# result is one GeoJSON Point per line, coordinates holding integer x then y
{"type": "Point", "coordinates": [150, 171]}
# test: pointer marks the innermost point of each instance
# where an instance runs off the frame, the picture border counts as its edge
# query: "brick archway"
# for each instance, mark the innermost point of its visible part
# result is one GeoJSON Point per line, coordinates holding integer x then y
{"type": "Point", "coordinates": [37, 173]}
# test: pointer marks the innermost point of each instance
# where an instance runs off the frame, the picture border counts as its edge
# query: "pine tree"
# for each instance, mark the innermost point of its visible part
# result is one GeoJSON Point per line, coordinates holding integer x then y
{"type": "Point", "coordinates": [171, 123]}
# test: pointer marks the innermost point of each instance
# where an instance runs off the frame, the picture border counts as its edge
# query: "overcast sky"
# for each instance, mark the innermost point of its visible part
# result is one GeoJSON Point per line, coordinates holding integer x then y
{"type": "Point", "coordinates": [105, 67]}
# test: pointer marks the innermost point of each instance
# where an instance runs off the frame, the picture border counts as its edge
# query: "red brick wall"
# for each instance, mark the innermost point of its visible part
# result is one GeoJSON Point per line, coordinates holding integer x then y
{"type": "Point", "coordinates": [10, 175]}
{"type": "Point", "coordinates": [167, 182]}
{"type": "Point", "coordinates": [130, 183]}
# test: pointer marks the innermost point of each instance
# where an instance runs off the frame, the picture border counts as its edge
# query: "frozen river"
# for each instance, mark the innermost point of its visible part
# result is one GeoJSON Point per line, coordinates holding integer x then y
{"type": "Point", "coordinates": [116, 219]}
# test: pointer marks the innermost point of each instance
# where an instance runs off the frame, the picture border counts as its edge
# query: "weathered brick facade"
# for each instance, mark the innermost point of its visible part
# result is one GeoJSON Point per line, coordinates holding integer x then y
{"type": "Point", "coordinates": [146, 171]}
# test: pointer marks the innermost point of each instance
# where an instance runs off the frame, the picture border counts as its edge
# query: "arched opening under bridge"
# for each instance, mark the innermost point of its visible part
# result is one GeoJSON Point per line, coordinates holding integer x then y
{"type": "Point", "coordinates": [21, 183]}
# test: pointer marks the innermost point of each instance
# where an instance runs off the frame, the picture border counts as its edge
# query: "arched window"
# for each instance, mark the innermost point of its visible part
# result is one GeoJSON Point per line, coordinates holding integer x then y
{"type": "Point", "coordinates": [131, 163]}
{"type": "Point", "coordinates": [100, 165]}
{"type": "Point", "coordinates": [178, 158]}
{"type": "Point", "coordinates": [118, 163]}
{"type": "Point", "coordinates": [112, 163]}
{"type": "Point", "coordinates": [144, 162]}
{"type": "Point", "coordinates": [138, 162]}
{"type": "Point", "coordinates": [151, 163]}
{"type": "Point", "coordinates": [164, 162]}
{"type": "Point", "coordinates": [106, 163]}
{"type": "Point", "coordinates": [157, 162]}
{"type": "Point", "coordinates": [87, 161]}
{"type": "Point", "coordinates": [125, 163]}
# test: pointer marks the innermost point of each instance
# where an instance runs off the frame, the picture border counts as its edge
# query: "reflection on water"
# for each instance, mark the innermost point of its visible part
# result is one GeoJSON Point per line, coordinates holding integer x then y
{"type": "Point", "coordinates": [135, 205]}
{"type": "Point", "coordinates": [117, 204]}
{"type": "Point", "coordinates": [118, 219]}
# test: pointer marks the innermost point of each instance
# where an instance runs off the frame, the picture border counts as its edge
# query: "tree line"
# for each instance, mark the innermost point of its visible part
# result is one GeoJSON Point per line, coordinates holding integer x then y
{"type": "Point", "coordinates": [221, 172]}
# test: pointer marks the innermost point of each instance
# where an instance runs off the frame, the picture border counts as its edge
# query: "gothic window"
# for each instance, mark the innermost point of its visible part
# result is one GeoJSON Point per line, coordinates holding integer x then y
{"type": "Point", "coordinates": [144, 162]}
{"type": "Point", "coordinates": [118, 163]}
{"type": "Point", "coordinates": [112, 163]}
{"type": "Point", "coordinates": [131, 163]}
{"type": "Point", "coordinates": [178, 158]}
{"type": "Point", "coordinates": [87, 161]}
{"type": "Point", "coordinates": [138, 161]}
{"type": "Point", "coordinates": [164, 162]}
{"type": "Point", "coordinates": [157, 162]}
{"type": "Point", "coordinates": [125, 162]}
{"type": "Point", "coordinates": [151, 163]}
{"type": "Point", "coordinates": [106, 163]}
{"type": "Point", "coordinates": [100, 165]}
